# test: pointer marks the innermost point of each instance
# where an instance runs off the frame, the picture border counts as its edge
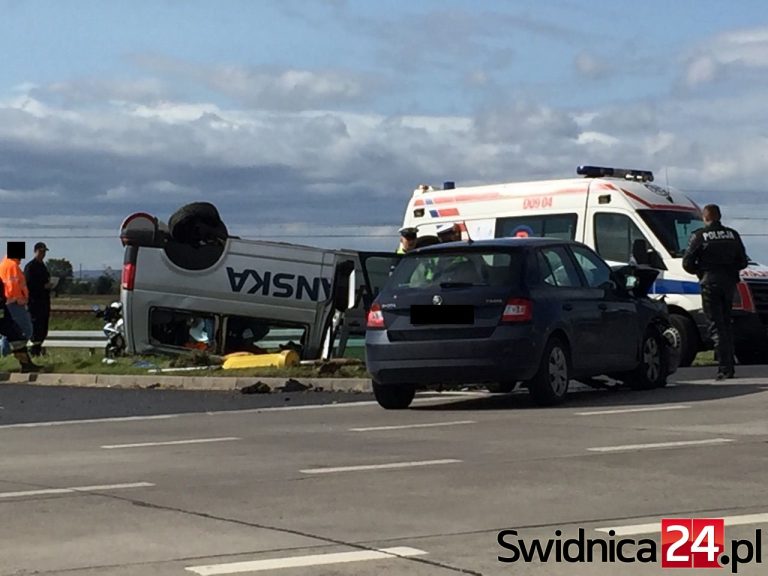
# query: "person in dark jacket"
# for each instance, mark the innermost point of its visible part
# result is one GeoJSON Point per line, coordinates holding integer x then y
{"type": "Point", "coordinates": [39, 306]}
{"type": "Point", "coordinates": [716, 254]}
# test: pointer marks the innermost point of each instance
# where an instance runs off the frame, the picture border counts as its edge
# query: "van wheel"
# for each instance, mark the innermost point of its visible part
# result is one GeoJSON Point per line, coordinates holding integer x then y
{"type": "Point", "coordinates": [394, 396]}
{"type": "Point", "coordinates": [652, 371]}
{"type": "Point", "coordinates": [550, 384]}
{"type": "Point", "coordinates": [501, 387]}
{"type": "Point", "coordinates": [689, 336]}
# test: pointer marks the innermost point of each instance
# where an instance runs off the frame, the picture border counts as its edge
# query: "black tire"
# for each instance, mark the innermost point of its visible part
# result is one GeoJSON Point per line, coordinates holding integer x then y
{"type": "Point", "coordinates": [394, 396]}
{"type": "Point", "coordinates": [652, 370]}
{"type": "Point", "coordinates": [501, 387]}
{"type": "Point", "coordinates": [689, 336]}
{"type": "Point", "coordinates": [550, 384]}
{"type": "Point", "coordinates": [195, 223]}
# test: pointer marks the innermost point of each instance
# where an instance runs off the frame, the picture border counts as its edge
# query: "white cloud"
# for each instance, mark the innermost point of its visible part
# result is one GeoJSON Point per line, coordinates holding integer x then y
{"type": "Point", "coordinates": [731, 51]}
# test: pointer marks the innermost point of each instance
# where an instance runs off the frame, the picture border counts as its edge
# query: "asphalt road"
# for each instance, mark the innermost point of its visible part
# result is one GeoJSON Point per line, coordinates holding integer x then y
{"type": "Point", "coordinates": [145, 482]}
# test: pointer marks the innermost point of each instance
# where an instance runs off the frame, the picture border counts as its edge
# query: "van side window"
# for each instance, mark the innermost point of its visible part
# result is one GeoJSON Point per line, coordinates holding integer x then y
{"type": "Point", "coordinates": [596, 272]}
{"type": "Point", "coordinates": [183, 329]}
{"type": "Point", "coordinates": [245, 334]}
{"type": "Point", "coordinates": [556, 268]}
{"type": "Point", "coordinates": [562, 226]}
{"type": "Point", "coordinates": [614, 235]}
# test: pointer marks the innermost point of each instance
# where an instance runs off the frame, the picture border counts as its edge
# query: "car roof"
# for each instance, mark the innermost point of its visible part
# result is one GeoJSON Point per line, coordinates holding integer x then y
{"type": "Point", "coordinates": [495, 243]}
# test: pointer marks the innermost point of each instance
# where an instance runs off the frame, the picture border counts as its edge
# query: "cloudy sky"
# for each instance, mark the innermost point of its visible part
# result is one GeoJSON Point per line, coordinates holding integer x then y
{"type": "Point", "coordinates": [312, 121]}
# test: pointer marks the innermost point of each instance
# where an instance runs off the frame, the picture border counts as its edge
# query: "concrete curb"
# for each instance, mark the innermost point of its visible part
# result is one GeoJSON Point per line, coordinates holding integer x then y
{"type": "Point", "coordinates": [221, 383]}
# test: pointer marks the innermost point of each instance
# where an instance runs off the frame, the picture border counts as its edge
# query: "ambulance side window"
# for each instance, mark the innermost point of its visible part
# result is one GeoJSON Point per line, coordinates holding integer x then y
{"type": "Point", "coordinates": [562, 226]}
{"type": "Point", "coordinates": [614, 235]}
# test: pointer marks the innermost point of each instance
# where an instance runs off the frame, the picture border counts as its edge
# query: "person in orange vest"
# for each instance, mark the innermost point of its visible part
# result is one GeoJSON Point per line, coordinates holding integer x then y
{"type": "Point", "coordinates": [11, 331]}
{"type": "Point", "coordinates": [16, 293]}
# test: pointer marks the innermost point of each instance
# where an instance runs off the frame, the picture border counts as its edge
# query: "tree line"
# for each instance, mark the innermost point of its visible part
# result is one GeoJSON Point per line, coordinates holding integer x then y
{"type": "Point", "coordinates": [107, 283]}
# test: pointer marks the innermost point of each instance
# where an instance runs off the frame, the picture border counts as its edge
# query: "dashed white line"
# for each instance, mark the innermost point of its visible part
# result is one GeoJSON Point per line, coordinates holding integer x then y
{"type": "Point", "coordinates": [89, 421]}
{"type": "Point", "coordinates": [379, 466]}
{"type": "Point", "coordinates": [630, 410]}
{"type": "Point", "coordinates": [660, 445]}
{"type": "Point", "coordinates": [47, 491]}
{"type": "Point", "coordinates": [305, 561]}
{"type": "Point", "coordinates": [171, 442]}
{"type": "Point", "coordinates": [408, 426]}
{"type": "Point", "coordinates": [655, 528]}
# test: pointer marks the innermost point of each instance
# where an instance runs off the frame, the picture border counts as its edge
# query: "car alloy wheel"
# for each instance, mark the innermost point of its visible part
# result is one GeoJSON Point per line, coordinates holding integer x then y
{"type": "Point", "coordinates": [558, 371]}
{"type": "Point", "coordinates": [651, 359]}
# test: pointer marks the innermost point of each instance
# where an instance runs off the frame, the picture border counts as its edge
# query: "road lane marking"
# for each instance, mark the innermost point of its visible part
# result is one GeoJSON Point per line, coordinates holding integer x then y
{"type": "Point", "coordinates": [655, 528]}
{"type": "Point", "coordinates": [47, 491]}
{"type": "Point", "coordinates": [90, 421]}
{"type": "Point", "coordinates": [171, 442]}
{"type": "Point", "coordinates": [660, 445]}
{"type": "Point", "coordinates": [379, 466]}
{"type": "Point", "coordinates": [210, 413]}
{"type": "Point", "coordinates": [306, 561]}
{"type": "Point", "coordinates": [407, 426]}
{"type": "Point", "coordinates": [629, 410]}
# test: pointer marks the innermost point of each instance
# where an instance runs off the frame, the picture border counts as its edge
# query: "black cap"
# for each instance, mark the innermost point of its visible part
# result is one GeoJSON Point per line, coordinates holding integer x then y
{"type": "Point", "coordinates": [41, 246]}
{"type": "Point", "coordinates": [408, 232]}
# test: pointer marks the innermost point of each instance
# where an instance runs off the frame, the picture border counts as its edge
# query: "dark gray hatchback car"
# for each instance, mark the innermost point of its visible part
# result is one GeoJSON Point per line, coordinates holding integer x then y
{"type": "Point", "coordinates": [498, 312]}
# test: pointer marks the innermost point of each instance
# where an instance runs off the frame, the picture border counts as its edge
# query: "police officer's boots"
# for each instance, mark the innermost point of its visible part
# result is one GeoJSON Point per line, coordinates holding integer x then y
{"type": "Point", "coordinates": [25, 361]}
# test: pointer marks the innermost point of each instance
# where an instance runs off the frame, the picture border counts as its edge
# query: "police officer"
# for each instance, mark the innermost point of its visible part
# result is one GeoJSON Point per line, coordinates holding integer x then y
{"type": "Point", "coordinates": [449, 232]}
{"type": "Point", "coordinates": [716, 254]}
{"type": "Point", "coordinates": [407, 240]}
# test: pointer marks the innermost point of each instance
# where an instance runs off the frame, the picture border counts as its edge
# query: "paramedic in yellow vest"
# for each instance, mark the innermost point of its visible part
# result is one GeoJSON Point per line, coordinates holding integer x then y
{"type": "Point", "coordinates": [407, 240]}
{"type": "Point", "coordinates": [16, 293]}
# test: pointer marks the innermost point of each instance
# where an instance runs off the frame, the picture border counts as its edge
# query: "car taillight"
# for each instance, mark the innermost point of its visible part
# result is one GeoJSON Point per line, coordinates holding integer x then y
{"type": "Point", "coordinates": [517, 310]}
{"type": "Point", "coordinates": [375, 318]}
{"type": "Point", "coordinates": [742, 300]}
{"type": "Point", "coordinates": [129, 276]}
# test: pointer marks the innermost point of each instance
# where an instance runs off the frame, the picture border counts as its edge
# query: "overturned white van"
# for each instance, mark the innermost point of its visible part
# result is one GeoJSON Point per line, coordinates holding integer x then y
{"type": "Point", "coordinates": [623, 216]}
{"type": "Point", "coordinates": [201, 289]}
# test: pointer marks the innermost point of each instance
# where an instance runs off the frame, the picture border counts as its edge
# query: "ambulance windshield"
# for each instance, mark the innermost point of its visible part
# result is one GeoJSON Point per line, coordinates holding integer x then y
{"type": "Point", "coordinates": [673, 228]}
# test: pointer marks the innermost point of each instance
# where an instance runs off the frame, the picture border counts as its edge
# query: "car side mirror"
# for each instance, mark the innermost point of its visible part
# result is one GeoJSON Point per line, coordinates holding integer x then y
{"type": "Point", "coordinates": [655, 260]}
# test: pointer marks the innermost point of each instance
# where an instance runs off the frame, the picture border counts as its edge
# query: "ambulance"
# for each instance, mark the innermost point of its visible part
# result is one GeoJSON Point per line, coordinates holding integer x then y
{"type": "Point", "coordinates": [624, 216]}
{"type": "Point", "coordinates": [225, 294]}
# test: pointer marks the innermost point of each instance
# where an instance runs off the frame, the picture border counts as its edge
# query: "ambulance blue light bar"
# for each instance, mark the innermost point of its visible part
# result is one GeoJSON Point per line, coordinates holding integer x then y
{"type": "Point", "coordinates": [602, 172]}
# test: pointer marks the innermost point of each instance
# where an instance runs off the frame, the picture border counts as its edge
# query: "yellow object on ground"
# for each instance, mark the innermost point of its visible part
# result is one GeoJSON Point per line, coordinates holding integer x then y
{"type": "Point", "coordinates": [239, 360]}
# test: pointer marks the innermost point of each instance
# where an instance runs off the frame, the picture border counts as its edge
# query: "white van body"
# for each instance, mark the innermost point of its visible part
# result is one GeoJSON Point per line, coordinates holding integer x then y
{"type": "Point", "coordinates": [607, 210]}
{"type": "Point", "coordinates": [266, 287]}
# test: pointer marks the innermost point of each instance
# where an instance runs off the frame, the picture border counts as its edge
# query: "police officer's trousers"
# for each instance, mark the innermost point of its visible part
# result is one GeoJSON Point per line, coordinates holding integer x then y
{"type": "Point", "coordinates": [717, 301]}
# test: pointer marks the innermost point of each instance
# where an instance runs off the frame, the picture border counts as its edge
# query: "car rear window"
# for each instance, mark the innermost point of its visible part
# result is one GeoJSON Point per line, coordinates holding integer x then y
{"type": "Point", "coordinates": [477, 268]}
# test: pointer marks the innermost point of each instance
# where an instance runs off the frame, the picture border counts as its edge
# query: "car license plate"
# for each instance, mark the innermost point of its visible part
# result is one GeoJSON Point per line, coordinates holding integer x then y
{"type": "Point", "coordinates": [451, 314]}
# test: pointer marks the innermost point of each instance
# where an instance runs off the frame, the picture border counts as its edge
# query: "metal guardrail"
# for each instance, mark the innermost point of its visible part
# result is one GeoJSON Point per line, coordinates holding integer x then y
{"type": "Point", "coordinates": [93, 339]}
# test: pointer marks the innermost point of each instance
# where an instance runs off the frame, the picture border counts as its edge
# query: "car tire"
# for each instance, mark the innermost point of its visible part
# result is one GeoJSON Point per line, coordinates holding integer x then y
{"type": "Point", "coordinates": [652, 370]}
{"type": "Point", "coordinates": [550, 384]}
{"type": "Point", "coordinates": [394, 396]}
{"type": "Point", "coordinates": [501, 387]}
{"type": "Point", "coordinates": [689, 336]}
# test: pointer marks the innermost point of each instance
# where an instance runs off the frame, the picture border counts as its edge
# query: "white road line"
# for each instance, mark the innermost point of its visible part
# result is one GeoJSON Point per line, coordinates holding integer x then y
{"type": "Point", "coordinates": [655, 528]}
{"type": "Point", "coordinates": [209, 413]}
{"type": "Point", "coordinates": [379, 466]}
{"type": "Point", "coordinates": [305, 561]}
{"type": "Point", "coordinates": [171, 442]}
{"type": "Point", "coordinates": [89, 421]}
{"type": "Point", "coordinates": [660, 445]}
{"type": "Point", "coordinates": [408, 426]}
{"type": "Point", "coordinates": [629, 410]}
{"type": "Point", "coordinates": [47, 491]}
